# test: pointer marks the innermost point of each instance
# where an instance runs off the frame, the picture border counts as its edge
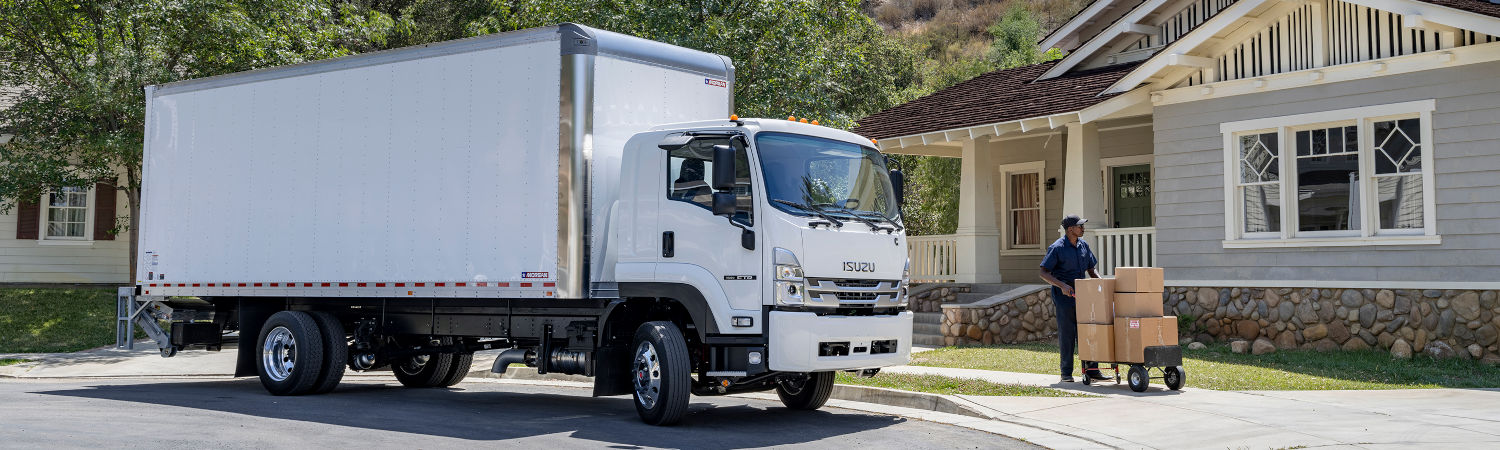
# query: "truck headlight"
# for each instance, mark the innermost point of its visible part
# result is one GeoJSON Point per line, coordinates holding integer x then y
{"type": "Point", "coordinates": [791, 287]}
{"type": "Point", "coordinates": [901, 299]}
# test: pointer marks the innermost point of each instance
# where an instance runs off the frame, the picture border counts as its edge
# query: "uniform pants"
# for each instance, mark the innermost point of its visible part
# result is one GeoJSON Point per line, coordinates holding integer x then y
{"type": "Point", "coordinates": [1067, 330]}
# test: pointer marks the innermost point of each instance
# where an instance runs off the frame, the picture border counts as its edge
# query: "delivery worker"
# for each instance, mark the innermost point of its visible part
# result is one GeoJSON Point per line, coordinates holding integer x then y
{"type": "Point", "coordinates": [1067, 260]}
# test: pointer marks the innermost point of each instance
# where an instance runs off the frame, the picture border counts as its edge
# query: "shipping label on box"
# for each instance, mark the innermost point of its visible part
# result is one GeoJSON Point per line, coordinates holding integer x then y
{"type": "Point", "coordinates": [1096, 300]}
{"type": "Point", "coordinates": [1139, 279]}
{"type": "Point", "coordinates": [1132, 304]}
{"type": "Point", "coordinates": [1096, 342]}
{"type": "Point", "coordinates": [1134, 334]}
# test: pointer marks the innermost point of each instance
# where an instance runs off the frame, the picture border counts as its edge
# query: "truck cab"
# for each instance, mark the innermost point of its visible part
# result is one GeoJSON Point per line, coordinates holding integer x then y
{"type": "Point", "coordinates": [790, 232]}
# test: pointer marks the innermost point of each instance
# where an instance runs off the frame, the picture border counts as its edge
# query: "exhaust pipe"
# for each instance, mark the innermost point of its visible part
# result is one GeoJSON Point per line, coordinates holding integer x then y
{"type": "Point", "coordinates": [514, 355]}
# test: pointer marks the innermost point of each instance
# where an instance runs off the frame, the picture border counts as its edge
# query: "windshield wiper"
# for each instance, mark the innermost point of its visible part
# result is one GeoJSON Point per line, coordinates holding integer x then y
{"type": "Point", "coordinates": [812, 209]}
{"type": "Point", "coordinates": [873, 226]}
{"type": "Point", "coordinates": [878, 216]}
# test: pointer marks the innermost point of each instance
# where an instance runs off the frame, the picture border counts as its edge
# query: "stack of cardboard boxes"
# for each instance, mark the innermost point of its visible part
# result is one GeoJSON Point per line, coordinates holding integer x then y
{"type": "Point", "coordinates": [1119, 317]}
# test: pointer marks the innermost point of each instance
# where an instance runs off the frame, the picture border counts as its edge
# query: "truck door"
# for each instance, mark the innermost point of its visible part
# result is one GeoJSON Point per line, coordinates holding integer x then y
{"type": "Point", "coordinates": [700, 238]}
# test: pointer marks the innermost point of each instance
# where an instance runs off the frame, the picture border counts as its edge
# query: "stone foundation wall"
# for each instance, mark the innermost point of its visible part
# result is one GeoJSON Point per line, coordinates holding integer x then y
{"type": "Point", "coordinates": [1441, 323]}
{"type": "Point", "coordinates": [1026, 316]}
{"type": "Point", "coordinates": [931, 297]}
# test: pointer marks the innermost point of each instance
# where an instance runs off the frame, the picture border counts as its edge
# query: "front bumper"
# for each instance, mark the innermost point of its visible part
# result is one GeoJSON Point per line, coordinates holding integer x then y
{"type": "Point", "coordinates": [797, 337]}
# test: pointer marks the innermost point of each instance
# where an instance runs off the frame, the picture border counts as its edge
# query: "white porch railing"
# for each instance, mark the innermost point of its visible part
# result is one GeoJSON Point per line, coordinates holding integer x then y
{"type": "Point", "coordinates": [1122, 247]}
{"type": "Point", "coordinates": [934, 259]}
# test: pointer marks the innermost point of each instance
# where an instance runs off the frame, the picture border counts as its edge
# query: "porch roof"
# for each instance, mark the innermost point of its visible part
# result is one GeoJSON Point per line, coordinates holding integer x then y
{"type": "Point", "coordinates": [1484, 7]}
{"type": "Point", "coordinates": [995, 97]}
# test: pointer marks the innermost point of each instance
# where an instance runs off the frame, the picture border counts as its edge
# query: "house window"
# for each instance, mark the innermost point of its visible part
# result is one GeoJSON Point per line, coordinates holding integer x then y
{"type": "Point", "coordinates": [1022, 206]}
{"type": "Point", "coordinates": [1347, 177]}
{"type": "Point", "coordinates": [67, 213]}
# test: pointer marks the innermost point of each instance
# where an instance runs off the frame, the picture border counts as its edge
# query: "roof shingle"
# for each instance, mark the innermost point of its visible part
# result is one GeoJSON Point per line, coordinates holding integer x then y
{"type": "Point", "coordinates": [1474, 6]}
{"type": "Point", "coordinates": [995, 97]}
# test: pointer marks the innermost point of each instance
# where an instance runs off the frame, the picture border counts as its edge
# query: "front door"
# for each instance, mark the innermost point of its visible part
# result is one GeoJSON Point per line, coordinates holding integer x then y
{"type": "Point", "coordinates": [1131, 188]}
{"type": "Point", "coordinates": [701, 238]}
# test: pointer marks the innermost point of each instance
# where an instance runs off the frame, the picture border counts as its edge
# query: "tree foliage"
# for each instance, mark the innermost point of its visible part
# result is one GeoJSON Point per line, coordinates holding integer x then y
{"type": "Point", "coordinates": [933, 182]}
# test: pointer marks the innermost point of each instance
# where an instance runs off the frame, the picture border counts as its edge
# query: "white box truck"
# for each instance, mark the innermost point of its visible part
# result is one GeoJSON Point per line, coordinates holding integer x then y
{"type": "Point", "coordinates": [580, 198]}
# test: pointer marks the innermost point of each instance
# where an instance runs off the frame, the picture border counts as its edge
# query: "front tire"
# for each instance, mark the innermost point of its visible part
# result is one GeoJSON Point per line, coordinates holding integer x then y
{"type": "Point", "coordinates": [660, 373]}
{"type": "Point", "coordinates": [290, 353]}
{"type": "Point", "coordinates": [1139, 378]}
{"type": "Point", "coordinates": [806, 394]}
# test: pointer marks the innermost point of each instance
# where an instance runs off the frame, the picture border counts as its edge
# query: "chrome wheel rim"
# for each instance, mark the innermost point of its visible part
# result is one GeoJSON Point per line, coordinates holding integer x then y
{"type": "Point", "coordinates": [647, 375]}
{"type": "Point", "coordinates": [279, 353]}
{"type": "Point", "coordinates": [1135, 377]}
{"type": "Point", "coordinates": [414, 365]}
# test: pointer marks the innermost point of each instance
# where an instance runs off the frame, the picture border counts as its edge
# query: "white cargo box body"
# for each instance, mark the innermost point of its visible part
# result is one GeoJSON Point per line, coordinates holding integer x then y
{"type": "Point", "coordinates": [435, 171]}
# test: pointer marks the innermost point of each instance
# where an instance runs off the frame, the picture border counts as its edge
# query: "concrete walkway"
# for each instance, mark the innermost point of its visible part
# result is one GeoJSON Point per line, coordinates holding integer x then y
{"type": "Point", "coordinates": [1203, 418]}
{"type": "Point", "coordinates": [1157, 418]}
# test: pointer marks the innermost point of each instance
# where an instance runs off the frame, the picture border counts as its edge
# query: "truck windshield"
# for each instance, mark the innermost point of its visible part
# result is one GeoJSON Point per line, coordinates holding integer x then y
{"type": "Point", "coordinates": [832, 177]}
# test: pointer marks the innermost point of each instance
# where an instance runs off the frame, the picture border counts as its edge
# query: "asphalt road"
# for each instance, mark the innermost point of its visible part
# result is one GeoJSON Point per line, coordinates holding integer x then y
{"type": "Point", "coordinates": [217, 413]}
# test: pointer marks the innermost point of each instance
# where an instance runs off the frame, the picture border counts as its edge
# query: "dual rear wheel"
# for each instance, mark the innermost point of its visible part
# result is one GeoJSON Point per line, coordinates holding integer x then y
{"type": "Point", "coordinates": [304, 353]}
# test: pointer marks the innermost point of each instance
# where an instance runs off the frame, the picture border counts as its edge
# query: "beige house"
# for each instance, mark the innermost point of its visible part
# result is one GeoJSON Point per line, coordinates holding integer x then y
{"type": "Point", "coordinates": [64, 237]}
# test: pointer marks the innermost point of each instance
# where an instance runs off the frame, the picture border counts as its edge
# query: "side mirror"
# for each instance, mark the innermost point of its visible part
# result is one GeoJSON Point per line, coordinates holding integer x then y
{"type": "Point", "coordinates": [724, 204]}
{"type": "Point", "coordinates": [723, 171]}
{"type": "Point", "coordinates": [898, 184]}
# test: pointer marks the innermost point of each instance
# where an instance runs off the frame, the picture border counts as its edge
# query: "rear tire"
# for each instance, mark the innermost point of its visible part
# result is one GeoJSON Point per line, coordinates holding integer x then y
{"type": "Point", "coordinates": [458, 370]}
{"type": "Point", "coordinates": [424, 371]}
{"type": "Point", "coordinates": [335, 352]}
{"type": "Point", "coordinates": [1174, 377]}
{"type": "Point", "coordinates": [289, 353]}
{"type": "Point", "coordinates": [808, 394]}
{"type": "Point", "coordinates": [659, 373]}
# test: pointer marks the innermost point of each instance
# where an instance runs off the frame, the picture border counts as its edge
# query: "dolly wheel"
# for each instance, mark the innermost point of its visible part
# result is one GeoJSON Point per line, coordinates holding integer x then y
{"type": "Point", "coordinates": [1139, 378]}
{"type": "Point", "coordinates": [1174, 377]}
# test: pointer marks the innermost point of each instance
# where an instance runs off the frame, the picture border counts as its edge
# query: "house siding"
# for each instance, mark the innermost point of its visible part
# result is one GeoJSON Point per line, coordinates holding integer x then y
{"type": "Point", "coordinates": [31, 261]}
{"type": "Point", "coordinates": [1466, 156]}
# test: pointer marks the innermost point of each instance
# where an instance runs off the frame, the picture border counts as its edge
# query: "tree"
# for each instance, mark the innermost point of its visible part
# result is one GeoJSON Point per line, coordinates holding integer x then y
{"type": "Point", "coordinates": [79, 69]}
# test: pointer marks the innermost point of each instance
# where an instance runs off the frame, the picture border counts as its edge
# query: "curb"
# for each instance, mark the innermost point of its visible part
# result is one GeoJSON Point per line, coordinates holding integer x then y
{"type": "Point", "coordinates": [862, 394]}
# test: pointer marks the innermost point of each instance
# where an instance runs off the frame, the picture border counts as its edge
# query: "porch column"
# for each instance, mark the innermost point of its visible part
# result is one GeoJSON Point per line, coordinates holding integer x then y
{"type": "Point", "coordinates": [978, 237]}
{"type": "Point", "coordinates": [1083, 187]}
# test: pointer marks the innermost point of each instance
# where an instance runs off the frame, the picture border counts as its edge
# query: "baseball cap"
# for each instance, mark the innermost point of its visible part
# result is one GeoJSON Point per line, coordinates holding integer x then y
{"type": "Point", "coordinates": [1073, 220]}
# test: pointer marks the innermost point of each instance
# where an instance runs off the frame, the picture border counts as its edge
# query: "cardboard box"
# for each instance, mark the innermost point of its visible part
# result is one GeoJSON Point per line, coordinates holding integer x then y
{"type": "Point", "coordinates": [1137, 304]}
{"type": "Point", "coordinates": [1139, 279]}
{"type": "Point", "coordinates": [1096, 342]}
{"type": "Point", "coordinates": [1096, 300]}
{"type": "Point", "coordinates": [1134, 334]}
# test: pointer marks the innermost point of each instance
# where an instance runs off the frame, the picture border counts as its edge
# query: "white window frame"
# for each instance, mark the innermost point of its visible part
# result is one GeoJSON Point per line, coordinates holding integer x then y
{"type": "Point", "coordinates": [1006, 170]}
{"type": "Point", "coordinates": [1369, 233]}
{"type": "Point", "coordinates": [45, 203]}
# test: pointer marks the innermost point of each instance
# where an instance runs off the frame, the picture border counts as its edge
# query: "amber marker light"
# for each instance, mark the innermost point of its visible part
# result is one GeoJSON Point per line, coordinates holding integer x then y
{"type": "Point", "coordinates": [814, 122]}
{"type": "Point", "coordinates": [791, 118]}
{"type": "Point", "coordinates": [734, 117]}
{"type": "Point", "coordinates": [804, 120]}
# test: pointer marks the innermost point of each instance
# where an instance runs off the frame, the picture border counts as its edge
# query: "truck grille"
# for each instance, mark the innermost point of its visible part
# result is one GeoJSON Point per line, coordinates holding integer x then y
{"type": "Point", "coordinates": [841, 292]}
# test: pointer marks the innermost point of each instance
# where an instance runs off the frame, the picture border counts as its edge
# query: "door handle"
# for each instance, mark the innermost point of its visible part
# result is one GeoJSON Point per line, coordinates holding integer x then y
{"type": "Point", "coordinates": [668, 244]}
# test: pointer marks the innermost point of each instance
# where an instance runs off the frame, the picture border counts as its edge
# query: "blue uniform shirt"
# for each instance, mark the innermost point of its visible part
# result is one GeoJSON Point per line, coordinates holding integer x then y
{"type": "Point", "coordinates": [1068, 262]}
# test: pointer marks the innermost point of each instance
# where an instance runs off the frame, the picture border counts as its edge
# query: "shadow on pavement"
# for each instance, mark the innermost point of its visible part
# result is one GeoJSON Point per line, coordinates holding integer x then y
{"type": "Point", "coordinates": [478, 413]}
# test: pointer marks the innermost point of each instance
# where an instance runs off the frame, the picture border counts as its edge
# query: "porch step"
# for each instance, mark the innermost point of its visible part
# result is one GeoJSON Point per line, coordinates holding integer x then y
{"type": "Point", "coordinates": [927, 328]}
{"type": "Point", "coordinates": [992, 288]}
{"type": "Point", "coordinates": [928, 317]}
{"type": "Point", "coordinates": [927, 340]}
{"type": "Point", "coordinates": [974, 297]}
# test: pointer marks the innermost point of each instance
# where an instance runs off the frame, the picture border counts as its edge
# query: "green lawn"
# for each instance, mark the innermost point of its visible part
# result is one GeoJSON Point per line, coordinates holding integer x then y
{"type": "Point", "coordinates": [56, 320]}
{"type": "Point", "coordinates": [937, 384]}
{"type": "Point", "coordinates": [1218, 368]}
{"type": "Point", "coordinates": [12, 361]}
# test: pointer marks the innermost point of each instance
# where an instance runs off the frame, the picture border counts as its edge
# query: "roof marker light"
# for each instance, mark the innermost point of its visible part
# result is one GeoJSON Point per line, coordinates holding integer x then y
{"type": "Point", "coordinates": [804, 120]}
{"type": "Point", "coordinates": [791, 118]}
{"type": "Point", "coordinates": [734, 117]}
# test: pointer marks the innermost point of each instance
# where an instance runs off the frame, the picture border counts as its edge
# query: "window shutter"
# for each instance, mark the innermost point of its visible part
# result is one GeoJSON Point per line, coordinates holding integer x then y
{"type": "Point", "coordinates": [28, 219]}
{"type": "Point", "coordinates": [104, 212]}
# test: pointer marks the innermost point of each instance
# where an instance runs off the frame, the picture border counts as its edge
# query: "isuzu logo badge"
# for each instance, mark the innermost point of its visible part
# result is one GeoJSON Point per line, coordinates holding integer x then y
{"type": "Point", "coordinates": [852, 266]}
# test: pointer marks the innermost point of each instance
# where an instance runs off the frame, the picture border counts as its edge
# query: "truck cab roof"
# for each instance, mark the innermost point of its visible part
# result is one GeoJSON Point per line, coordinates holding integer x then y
{"type": "Point", "coordinates": [773, 125]}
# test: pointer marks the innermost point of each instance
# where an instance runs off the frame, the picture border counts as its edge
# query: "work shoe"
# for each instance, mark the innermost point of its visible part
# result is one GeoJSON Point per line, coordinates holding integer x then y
{"type": "Point", "coordinates": [1067, 379]}
{"type": "Point", "coordinates": [1095, 375]}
